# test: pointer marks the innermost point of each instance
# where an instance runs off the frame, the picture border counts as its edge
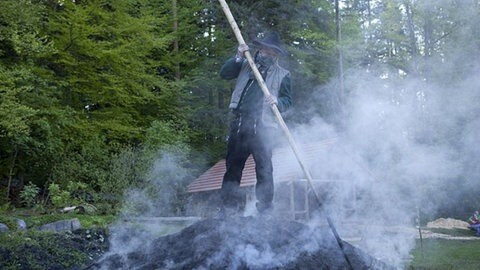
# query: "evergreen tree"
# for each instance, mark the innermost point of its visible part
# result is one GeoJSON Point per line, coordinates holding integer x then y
{"type": "Point", "coordinates": [111, 60]}
{"type": "Point", "coordinates": [27, 99]}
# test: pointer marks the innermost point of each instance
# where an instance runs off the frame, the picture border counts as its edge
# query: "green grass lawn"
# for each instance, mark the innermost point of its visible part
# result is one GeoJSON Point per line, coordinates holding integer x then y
{"type": "Point", "coordinates": [446, 254]}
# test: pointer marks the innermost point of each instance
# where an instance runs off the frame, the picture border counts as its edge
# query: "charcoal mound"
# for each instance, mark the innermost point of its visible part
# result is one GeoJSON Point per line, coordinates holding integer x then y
{"type": "Point", "coordinates": [244, 243]}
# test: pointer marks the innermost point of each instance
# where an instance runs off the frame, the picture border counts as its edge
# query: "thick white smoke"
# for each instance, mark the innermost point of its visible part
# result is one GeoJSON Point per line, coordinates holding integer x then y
{"type": "Point", "coordinates": [158, 196]}
{"type": "Point", "coordinates": [406, 142]}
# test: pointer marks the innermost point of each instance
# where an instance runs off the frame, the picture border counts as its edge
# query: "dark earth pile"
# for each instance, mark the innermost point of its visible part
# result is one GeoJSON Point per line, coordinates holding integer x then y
{"type": "Point", "coordinates": [47, 250]}
{"type": "Point", "coordinates": [242, 243]}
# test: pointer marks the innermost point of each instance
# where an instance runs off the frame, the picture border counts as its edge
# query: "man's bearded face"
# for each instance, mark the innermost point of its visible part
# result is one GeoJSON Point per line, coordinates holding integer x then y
{"type": "Point", "coordinates": [266, 56]}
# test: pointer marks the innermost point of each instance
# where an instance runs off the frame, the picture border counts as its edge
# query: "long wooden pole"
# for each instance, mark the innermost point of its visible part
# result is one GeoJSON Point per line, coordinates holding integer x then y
{"type": "Point", "coordinates": [279, 118]}
{"type": "Point", "coordinates": [265, 91]}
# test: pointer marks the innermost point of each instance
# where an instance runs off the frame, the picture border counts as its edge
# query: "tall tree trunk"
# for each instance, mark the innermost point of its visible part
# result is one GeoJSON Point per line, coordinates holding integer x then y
{"type": "Point", "coordinates": [12, 168]}
{"type": "Point", "coordinates": [428, 33]}
{"type": "Point", "coordinates": [221, 97]}
{"type": "Point", "coordinates": [429, 42]}
{"type": "Point", "coordinates": [411, 29]}
{"type": "Point", "coordinates": [210, 97]}
{"type": "Point", "coordinates": [175, 41]}
{"type": "Point", "coordinates": [369, 14]}
{"type": "Point", "coordinates": [339, 51]}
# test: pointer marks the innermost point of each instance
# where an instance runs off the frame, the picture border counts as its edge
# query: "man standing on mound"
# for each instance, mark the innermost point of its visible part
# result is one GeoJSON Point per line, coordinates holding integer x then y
{"type": "Point", "coordinates": [253, 124]}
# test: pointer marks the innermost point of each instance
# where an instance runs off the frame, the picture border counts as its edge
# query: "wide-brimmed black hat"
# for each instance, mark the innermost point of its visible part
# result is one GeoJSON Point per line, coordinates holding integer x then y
{"type": "Point", "coordinates": [271, 40]}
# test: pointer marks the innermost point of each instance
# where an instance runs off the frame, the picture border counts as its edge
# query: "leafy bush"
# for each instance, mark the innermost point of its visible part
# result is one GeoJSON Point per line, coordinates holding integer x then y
{"type": "Point", "coordinates": [86, 162]}
{"type": "Point", "coordinates": [59, 198]}
{"type": "Point", "coordinates": [127, 170]}
{"type": "Point", "coordinates": [157, 168]}
{"type": "Point", "coordinates": [80, 192]}
{"type": "Point", "coordinates": [29, 194]}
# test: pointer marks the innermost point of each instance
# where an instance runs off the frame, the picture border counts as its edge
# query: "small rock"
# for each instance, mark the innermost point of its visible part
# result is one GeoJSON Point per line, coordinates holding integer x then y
{"type": "Point", "coordinates": [62, 225]}
{"type": "Point", "coordinates": [3, 228]}
{"type": "Point", "coordinates": [21, 225]}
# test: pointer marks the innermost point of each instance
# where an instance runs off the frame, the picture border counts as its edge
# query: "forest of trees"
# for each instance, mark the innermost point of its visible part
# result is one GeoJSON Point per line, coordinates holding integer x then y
{"type": "Point", "coordinates": [92, 92]}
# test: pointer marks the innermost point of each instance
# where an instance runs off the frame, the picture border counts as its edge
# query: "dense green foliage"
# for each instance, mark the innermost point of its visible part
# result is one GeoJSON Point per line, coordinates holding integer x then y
{"type": "Point", "coordinates": [81, 81]}
{"type": "Point", "coordinates": [94, 95]}
{"type": "Point", "coordinates": [93, 91]}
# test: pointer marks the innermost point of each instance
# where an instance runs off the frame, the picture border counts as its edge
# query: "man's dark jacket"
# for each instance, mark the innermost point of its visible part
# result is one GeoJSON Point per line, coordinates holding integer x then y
{"type": "Point", "coordinates": [277, 80]}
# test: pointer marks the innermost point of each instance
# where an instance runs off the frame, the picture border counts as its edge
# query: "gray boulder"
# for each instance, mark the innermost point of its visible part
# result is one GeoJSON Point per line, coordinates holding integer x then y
{"type": "Point", "coordinates": [3, 228]}
{"type": "Point", "coordinates": [21, 225]}
{"type": "Point", "coordinates": [62, 225]}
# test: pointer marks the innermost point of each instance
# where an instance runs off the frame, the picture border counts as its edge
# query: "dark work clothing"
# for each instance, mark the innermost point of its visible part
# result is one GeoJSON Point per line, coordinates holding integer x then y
{"type": "Point", "coordinates": [251, 134]}
{"type": "Point", "coordinates": [251, 101]}
{"type": "Point", "coordinates": [231, 70]}
{"type": "Point", "coordinates": [247, 136]}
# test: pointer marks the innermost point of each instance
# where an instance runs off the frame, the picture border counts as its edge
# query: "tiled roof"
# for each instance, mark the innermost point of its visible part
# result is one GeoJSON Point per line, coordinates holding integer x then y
{"type": "Point", "coordinates": [285, 167]}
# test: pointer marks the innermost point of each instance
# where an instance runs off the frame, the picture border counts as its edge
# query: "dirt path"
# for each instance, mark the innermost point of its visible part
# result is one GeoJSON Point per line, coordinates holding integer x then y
{"type": "Point", "coordinates": [429, 234]}
{"type": "Point", "coordinates": [443, 228]}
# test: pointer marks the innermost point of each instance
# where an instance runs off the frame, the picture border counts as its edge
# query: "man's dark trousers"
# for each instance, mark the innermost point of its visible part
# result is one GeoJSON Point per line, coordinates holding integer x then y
{"type": "Point", "coordinates": [248, 136]}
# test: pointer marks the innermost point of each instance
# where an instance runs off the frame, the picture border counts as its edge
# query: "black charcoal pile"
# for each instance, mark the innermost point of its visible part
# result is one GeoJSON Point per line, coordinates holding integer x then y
{"type": "Point", "coordinates": [243, 243]}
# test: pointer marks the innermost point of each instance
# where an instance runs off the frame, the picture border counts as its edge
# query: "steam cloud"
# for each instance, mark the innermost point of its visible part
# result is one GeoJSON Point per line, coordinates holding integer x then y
{"type": "Point", "coordinates": [407, 144]}
{"type": "Point", "coordinates": [156, 197]}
